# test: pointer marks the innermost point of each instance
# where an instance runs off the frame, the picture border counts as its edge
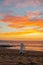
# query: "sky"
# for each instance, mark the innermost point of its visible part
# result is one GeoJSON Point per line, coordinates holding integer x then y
{"type": "Point", "coordinates": [21, 20]}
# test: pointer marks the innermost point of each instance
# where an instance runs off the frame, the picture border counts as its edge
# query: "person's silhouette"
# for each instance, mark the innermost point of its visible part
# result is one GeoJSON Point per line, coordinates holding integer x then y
{"type": "Point", "coordinates": [21, 48]}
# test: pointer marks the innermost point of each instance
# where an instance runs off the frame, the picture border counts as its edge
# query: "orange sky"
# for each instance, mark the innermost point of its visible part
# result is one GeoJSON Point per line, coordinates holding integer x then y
{"type": "Point", "coordinates": [21, 28]}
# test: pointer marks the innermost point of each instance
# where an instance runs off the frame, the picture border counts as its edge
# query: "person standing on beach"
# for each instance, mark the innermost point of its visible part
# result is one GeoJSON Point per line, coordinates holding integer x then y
{"type": "Point", "coordinates": [21, 48]}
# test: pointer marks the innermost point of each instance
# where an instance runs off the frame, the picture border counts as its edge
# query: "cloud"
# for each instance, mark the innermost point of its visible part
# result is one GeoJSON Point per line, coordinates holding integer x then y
{"type": "Point", "coordinates": [34, 34]}
{"type": "Point", "coordinates": [0, 27]}
{"type": "Point", "coordinates": [27, 3]}
{"type": "Point", "coordinates": [11, 2]}
{"type": "Point", "coordinates": [8, 2]}
{"type": "Point", "coordinates": [22, 3]}
{"type": "Point", "coordinates": [2, 24]}
{"type": "Point", "coordinates": [17, 6]}
{"type": "Point", "coordinates": [28, 28]}
{"type": "Point", "coordinates": [20, 22]}
{"type": "Point", "coordinates": [40, 29]}
{"type": "Point", "coordinates": [2, 14]}
{"type": "Point", "coordinates": [34, 15]}
{"type": "Point", "coordinates": [23, 33]}
{"type": "Point", "coordinates": [6, 29]}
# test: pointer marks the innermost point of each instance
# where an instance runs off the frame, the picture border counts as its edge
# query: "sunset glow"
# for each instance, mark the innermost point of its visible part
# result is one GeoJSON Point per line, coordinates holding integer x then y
{"type": "Point", "coordinates": [21, 20]}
